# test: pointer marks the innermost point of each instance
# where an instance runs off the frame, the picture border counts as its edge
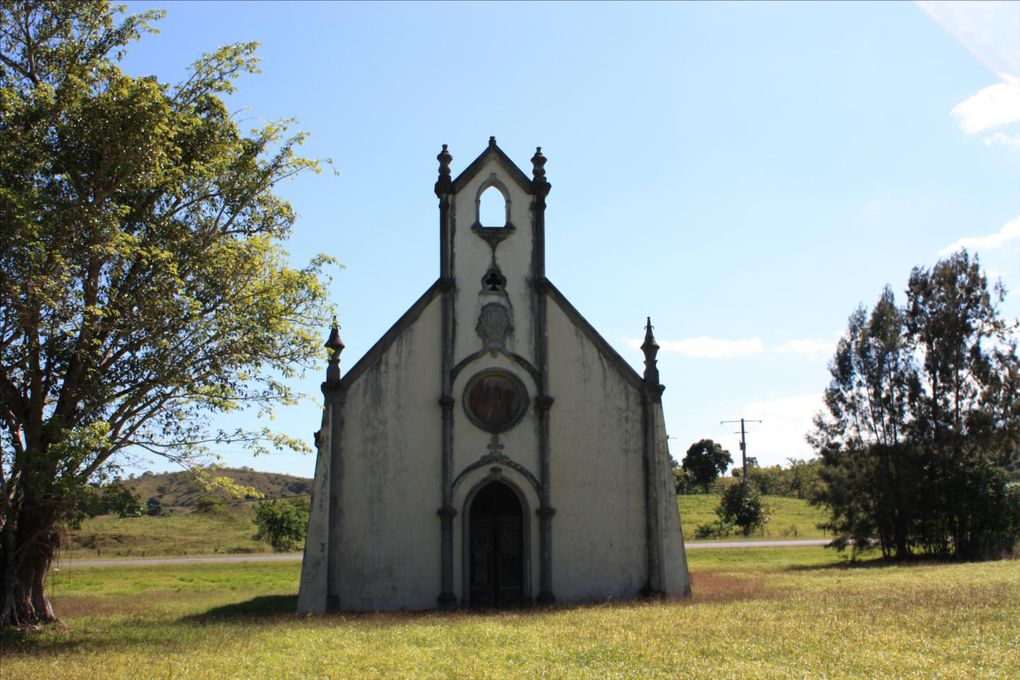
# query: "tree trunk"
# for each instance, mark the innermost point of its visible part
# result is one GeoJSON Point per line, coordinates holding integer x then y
{"type": "Point", "coordinates": [27, 548]}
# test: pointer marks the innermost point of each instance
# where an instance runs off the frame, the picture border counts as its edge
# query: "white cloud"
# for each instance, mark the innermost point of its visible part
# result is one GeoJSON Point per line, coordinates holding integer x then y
{"type": "Point", "coordinates": [714, 348]}
{"type": "Point", "coordinates": [1009, 232]}
{"type": "Point", "coordinates": [993, 106]}
{"type": "Point", "coordinates": [988, 30]}
{"type": "Point", "coordinates": [780, 435]}
{"type": "Point", "coordinates": [1000, 138]}
{"type": "Point", "coordinates": [808, 347]}
{"type": "Point", "coordinates": [708, 348]}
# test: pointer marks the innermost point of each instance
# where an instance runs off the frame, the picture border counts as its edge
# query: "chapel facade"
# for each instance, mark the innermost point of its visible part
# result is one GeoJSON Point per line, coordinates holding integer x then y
{"type": "Point", "coordinates": [491, 449]}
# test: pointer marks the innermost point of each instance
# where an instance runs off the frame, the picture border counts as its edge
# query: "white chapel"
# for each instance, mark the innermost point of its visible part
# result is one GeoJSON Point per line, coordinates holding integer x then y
{"type": "Point", "coordinates": [491, 449]}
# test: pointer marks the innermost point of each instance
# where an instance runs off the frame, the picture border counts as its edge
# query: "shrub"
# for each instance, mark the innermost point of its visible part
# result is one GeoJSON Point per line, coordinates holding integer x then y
{"type": "Point", "coordinates": [154, 507]}
{"type": "Point", "coordinates": [716, 529]}
{"type": "Point", "coordinates": [210, 505]}
{"type": "Point", "coordinates": [119, 500]}
{"type": "Point", "coordinates": [282, 523]}
{"type": "Point", "coordinates": [744, 508]}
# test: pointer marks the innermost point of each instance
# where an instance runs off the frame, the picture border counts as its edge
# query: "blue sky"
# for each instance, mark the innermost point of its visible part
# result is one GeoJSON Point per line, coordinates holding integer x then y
{"type": "Point", "coordinates": [745, 174]}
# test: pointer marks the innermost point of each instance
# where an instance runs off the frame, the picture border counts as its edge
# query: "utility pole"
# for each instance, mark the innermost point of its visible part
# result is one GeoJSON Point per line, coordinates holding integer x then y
{"type": "Point", "coordinates": [743, 447]}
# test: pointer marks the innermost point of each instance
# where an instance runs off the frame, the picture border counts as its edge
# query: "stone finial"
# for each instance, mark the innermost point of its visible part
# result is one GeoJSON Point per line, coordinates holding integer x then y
{"type": "Point", "coordinates": [335, 346]}
{"type": "Point", "coordinates": [650, 348]}
{"type": "Point", "coordinates": [492, 140]}
{"type": "Point", "coordinates": [538, 165]}
{"type": "Point", "coordinates": [539, 183]}
{"type": "Point", "coordinates": [444, 158]}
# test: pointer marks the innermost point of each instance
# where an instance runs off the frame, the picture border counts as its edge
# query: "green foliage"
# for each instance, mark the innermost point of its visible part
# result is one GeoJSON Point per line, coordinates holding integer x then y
{"type": "Point", "coordinates": [922, 418]}
{"type": "Point", "coordinates": [683, 481]}
{"type": "Point", "coordinates": [720, 528]}
{"type": "Point", "coordinates": [120, 501]}
{"type": "Point", "coordinates": [145, 287]}
{"type": "Point", "coordinates": [743, 507]}
{"type": "Point", "coordinates": [210, 504]}
{"type": "Point", "coordinates": [154, 507]}
{"type": "Point", "coordinates": [282, 523]}
{"type": "Point", "coordinates": [113, 498]}
{"type": "Point", "coordinates": [800, 479]}
{"type": "Point", "coordinates": [704, 462]}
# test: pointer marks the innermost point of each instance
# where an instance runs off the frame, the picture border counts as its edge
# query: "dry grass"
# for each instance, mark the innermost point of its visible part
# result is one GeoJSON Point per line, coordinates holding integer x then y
{"type": "Point", "coordinates": [755, 614]}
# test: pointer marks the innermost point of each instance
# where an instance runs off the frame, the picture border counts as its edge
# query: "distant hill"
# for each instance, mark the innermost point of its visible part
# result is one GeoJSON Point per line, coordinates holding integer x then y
{"type": "Point", "coordinates": [182, 490]}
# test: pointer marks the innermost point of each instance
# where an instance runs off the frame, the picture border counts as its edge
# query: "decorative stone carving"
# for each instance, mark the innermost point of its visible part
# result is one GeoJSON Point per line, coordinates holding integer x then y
{"type": "Point", "coordinates": [494, 326]}
{"type": "Point", "coordinates": [493, 281]}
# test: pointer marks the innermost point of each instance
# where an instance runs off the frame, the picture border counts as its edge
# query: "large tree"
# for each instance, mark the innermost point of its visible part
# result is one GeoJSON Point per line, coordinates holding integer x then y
{"type": "Point", "coordinates": [705, 461]}
{"type": "Point", "coordinates": [143, 289]}
{"type": "Point", "coordinates": [921, 415]}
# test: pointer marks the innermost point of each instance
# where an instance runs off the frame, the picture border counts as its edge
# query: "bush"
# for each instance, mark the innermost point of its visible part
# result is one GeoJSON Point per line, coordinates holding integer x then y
{"type": "Point", "coordinates": [154, 507]}
{"type": "Point", "coordinates": [282, 523]}
{"type": "Point", "coordinates": [716, 529]}
{"type": "Point", "coordinates": [210, 505]}
{"type": "Point", "coordinates": [683, 482]}
{"type": "Point", "coordinates": [118, 500]}
{"type": "Point", "coordinates": [744, 508]}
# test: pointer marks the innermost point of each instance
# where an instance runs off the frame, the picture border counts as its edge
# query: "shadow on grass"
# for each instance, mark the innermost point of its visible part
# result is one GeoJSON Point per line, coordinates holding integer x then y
{"type": "Point", "coordinates": [60, 638]}
{"type": "Point", "coordinates": [879, 562]}
{"type": "Point", "coordinates": [269, 607]}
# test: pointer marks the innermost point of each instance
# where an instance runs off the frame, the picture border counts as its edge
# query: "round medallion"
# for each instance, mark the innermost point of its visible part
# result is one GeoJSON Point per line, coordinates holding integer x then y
{"type": "Point", "coordinates": [495, 400]}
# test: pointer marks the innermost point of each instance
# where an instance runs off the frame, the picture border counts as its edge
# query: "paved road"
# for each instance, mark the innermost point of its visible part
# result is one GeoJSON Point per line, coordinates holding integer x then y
{"type": "Point", "coordinates": [785, 543]}
{"type": "Point", "coordinates": [290, 557]}
{"type": "Point", "coordinates": [151, 561]}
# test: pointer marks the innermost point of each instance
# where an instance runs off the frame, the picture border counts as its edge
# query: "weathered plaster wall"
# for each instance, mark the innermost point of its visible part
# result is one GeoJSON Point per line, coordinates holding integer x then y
{"type": "Point", "coordinates": [675, 575]}
{"type": "Point", "coordinates": [390, 477]}
{"type": "Point", "coordinates": [312, 593]}
{"type": "Point", "coordinates": [596, 470]}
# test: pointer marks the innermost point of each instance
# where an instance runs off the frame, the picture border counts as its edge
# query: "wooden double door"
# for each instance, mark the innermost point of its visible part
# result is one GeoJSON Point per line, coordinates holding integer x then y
{"type": "Point", "coordinates": [497, 548]}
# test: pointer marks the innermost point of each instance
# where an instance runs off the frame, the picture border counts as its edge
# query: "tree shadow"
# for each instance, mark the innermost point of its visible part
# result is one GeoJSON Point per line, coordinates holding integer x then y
{"type": "Point", "coordinates": [267, 607]}
{"type": "Point", "coordinates": [876, 562]}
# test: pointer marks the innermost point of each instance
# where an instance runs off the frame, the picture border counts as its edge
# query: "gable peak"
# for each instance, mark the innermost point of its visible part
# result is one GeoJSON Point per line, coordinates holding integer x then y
{"type": "Point", "coordinates": [494, 153]}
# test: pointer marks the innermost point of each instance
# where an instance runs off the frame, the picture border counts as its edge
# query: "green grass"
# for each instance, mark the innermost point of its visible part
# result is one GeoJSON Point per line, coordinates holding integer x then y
{"type": "Point", "coordinates": [791, 517]}
{"type": "Point", "coordinates": [756, 613]}
{"type": "Point", "coordinates": [228, 532]}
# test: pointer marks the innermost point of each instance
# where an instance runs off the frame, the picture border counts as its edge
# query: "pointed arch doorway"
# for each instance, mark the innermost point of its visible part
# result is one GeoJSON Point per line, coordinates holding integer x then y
{"type": "Point", "coordinates": [496, 559]}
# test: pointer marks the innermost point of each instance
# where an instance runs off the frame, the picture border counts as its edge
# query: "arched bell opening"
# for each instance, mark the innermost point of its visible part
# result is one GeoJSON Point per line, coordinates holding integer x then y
{"type": "Point", "coordinates": [492, 208]}
{"type": "Point", "coordinates": [492, 205]}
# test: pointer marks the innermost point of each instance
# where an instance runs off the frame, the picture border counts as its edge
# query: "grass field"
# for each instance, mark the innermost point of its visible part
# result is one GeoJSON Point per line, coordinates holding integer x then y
{"type": "Point", "coordinates": [229, 532]}
{"type": "Point", "coordinates": [791, 517]}
{"type": "Point", "coordinates": [755, 613]}
{"type": "Point", "coordinates": [232, 531]}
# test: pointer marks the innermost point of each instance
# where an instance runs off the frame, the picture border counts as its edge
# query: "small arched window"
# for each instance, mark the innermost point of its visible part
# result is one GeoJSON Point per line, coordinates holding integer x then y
{"type": "Point", "coordinates": [493, 209]}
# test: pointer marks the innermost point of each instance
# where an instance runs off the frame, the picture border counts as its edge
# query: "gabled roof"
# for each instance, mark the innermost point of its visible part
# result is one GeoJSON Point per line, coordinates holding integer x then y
{"type": "Point", "coordinates": [494, 152]}
{"type": "Point", "coordinates": [389, 337]}
{"type": "Point", "coordinates": [625, 370]}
